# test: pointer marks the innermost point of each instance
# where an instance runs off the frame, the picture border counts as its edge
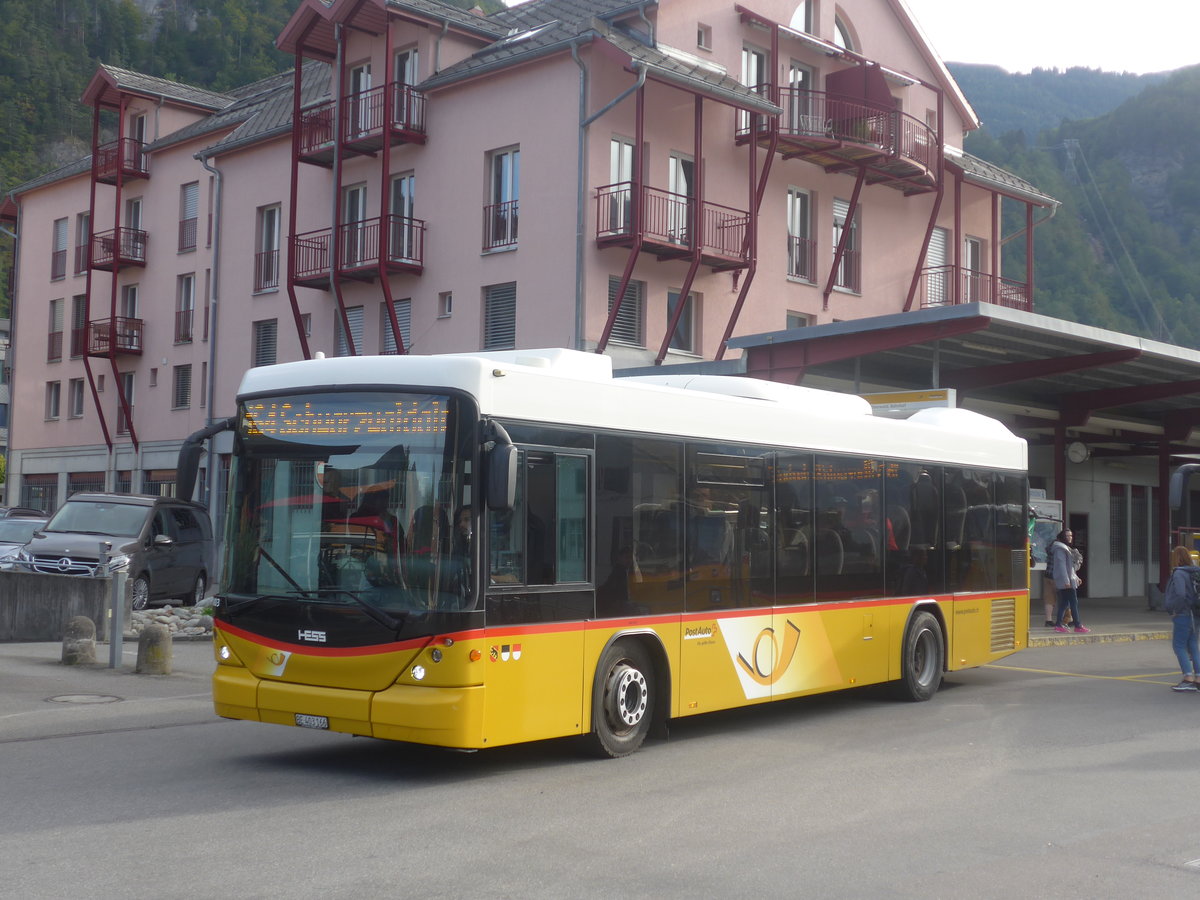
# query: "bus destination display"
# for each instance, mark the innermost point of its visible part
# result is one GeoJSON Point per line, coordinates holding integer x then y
{"type": "Point", "coordinates": [291, 418]}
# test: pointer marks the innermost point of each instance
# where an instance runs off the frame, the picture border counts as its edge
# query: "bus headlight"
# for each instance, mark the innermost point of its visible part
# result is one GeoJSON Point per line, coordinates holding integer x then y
{"type": "Point", "coordinates": [418, 673]}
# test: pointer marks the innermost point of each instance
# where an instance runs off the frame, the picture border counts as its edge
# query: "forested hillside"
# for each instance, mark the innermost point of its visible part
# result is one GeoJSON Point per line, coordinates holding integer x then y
{"type": "Point", "coordinates": [1123, 252]}
{"type": "Point", "coordinates": [1044, 98]}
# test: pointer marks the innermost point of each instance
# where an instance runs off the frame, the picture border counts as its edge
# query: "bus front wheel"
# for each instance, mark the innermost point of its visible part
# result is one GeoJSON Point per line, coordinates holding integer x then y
{"type": "Point", "coordinates": [922, 658]}
{"type": "Point", "coordinates": [623, 697]}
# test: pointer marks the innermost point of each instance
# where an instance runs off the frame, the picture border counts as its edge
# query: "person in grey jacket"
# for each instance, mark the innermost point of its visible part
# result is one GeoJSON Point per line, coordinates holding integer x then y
{"type": "Point", "coordinates": [1066, 581]}
{"type": "Point", "coordinates": [1180, 602]}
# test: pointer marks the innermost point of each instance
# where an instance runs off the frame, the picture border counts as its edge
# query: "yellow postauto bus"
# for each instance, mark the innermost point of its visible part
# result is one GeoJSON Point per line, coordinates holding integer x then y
{"type": "Point", "coordinates": [477, 550]}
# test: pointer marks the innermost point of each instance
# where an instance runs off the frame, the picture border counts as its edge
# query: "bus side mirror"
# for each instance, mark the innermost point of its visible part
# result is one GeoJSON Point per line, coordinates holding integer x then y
{"type": "Point", "coordinates": [502, 477]}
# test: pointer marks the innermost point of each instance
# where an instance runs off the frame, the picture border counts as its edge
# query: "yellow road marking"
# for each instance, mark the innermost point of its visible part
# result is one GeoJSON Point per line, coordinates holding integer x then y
{"type": "Point", "coordinates": [1140, 678]}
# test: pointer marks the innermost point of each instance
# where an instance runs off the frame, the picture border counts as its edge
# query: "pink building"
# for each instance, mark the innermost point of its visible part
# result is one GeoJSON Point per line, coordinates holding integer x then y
{"type": "Point", "coordinates": [429, 180]}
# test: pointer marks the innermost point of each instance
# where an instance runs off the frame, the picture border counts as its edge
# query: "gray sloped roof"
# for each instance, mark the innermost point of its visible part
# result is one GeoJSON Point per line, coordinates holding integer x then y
{"type": "Point", "coordinates": [153, 86]}
{"type": "Point", "coordinates": [487, 26]}
{"type": "Point", "coordinates": [984, 173]}
{"type": "Point", "coordinates": [544, 27]}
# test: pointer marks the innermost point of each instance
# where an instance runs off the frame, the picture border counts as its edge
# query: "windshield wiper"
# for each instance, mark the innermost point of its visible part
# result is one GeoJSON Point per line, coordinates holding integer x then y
{"type": "Point", "coordinates": [382, 616]}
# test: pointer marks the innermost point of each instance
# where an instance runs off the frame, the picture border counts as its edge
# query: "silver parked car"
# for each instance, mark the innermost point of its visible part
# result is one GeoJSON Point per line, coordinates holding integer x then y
{"type": "Point", "coordinates": [15, 532]}
{"type": "Point", "coordinates": [164, 545]}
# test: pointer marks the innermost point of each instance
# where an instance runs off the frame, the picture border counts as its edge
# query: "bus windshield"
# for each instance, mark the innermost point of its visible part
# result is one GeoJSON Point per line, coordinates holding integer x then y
{"type": "Point", "coordinates": [357, 499]}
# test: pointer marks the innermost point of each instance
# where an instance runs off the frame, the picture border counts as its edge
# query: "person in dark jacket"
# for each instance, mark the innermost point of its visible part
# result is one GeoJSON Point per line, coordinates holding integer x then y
{"type": "Point", "coordinates": [1180, 603]}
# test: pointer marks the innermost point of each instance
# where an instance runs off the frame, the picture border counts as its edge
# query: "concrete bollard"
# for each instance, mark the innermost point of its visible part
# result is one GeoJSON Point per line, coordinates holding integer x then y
{"type": "Point", "coordinates": [79, 642]}
{"type": "Point", "coordinates": [154, 651]}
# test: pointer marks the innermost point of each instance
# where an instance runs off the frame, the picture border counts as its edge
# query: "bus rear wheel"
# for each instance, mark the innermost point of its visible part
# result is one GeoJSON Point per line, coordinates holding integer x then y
{"type": "Point", "coordinates": [922, 659]}
{"type": "Point", "coordinates": [623, 698]}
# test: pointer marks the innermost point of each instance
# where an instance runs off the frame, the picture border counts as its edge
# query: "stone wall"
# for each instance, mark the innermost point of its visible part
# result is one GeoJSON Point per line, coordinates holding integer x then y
{"type": "Point", "coordinates": [36, 607]}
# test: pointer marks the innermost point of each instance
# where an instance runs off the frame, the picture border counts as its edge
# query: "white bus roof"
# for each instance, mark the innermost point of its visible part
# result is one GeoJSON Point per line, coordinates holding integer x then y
{"type": "Point", "coordinates": [570, 387]}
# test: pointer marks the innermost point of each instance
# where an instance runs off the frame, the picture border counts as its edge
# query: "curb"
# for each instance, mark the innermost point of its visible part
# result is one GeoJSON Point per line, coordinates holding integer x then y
{"type": "Point", "coordinates": [1064, 640]}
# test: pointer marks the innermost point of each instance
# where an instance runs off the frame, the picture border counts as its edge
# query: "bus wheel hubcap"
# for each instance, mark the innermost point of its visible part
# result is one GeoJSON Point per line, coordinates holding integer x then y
{"type": "Point", "coordinates": [628, 695]}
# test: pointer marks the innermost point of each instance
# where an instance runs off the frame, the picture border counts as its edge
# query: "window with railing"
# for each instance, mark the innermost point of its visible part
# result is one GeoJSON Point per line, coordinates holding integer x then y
{"type": "Point", "coordinates": [83, 236]}
{"type": "Point", "coordinates": [54, 344]}
{"type": "Point", "coordinates": [185, 308]}
{"type": "Point", "coordinates": [500, 215]}
{"type": "Point", "coordinates": [801, 248]}
{"type": "Point", "coordinates": [848, 271]}
{"type": "Point", "coordinates": [266, 257]}
{"type": "Point", "coordinates": [189, 210]}
{"type": "Point", "coordinates": [58, 250]}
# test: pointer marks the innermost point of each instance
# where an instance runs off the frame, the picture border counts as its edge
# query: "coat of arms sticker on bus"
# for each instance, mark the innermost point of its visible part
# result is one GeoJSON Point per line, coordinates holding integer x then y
{"type": "Point", "coordinates": [505, 651]}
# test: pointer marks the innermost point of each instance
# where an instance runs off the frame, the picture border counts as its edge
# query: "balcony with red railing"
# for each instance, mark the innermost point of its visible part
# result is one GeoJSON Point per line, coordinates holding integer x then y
{"type": "Point", "coordinates": [837, 133]}
{"type": "Point", "coordinates": [500, 221]}
{"type": "Point", "coordinates": [951, 285]}
{"type": "Point", "coordinates": [126, 157]}
{"type": "Point", "coordinates": [187, 234]}
{"type": "Point", "coordinates": [266, 270]}
{"type": "Point", "coordinates": [359, 248]}
{"type": "Point", "coordinates": [394, 113]}
{"type": "Point", "coordinates": [395, 107]}
{"type": "Point", "coordinates": [667, 225]}
{"type": "Point", "coordinates": [183, 325]}
{"type": "Point", "coordinates": [119, 247]}
{"type": "Point", "coordinates": [58, 264]}
{"type": "Point", "coordinates": [109, 337]}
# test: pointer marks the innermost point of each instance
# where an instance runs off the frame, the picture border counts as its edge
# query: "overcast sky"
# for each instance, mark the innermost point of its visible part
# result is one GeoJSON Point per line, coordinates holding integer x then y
{"type": "Point", "coordinates": [1018, 35]}
{"type": "Point", "coordinates": [1129, 36]}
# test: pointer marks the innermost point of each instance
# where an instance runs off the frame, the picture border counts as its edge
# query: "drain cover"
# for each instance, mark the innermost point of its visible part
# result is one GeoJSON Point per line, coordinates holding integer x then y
{"type": "Point", "coordinates": [84, 698]}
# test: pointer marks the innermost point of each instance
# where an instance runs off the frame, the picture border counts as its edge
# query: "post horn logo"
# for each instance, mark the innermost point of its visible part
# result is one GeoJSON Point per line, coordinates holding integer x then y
{"type": "Point", "coordinates": [791, 640]}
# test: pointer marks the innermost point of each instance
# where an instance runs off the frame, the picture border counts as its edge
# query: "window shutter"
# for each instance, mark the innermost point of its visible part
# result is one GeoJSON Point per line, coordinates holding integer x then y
{"type": "Point", "coordinates": [627, 329]}
{"type": "Point", "coordinates": [264, 342]}
{"type": "Point", "coordinates": [191, 200]}
{"type": "Point", "coordinates": [500, 316]}
{"type": "Point", "coordinates": [403, 319]}
{"type": "Point", "coordinates": [183, 387]}
{"type": "Point", "coordinates": [355, 317]}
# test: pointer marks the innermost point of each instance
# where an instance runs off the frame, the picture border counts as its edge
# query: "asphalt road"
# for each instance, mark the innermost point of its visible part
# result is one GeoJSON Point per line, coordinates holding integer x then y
{"type": "Point", "coordinates": [1063, 772]}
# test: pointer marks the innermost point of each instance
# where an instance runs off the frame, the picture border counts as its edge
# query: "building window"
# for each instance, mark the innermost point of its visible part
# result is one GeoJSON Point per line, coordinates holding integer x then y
{"type": "Point", "coordinates": [354, 235]}
{"type": "Point", "coordinates": [75, 398]}
{"type": "Point", "coordinates": [185, 307]}
{"type": "Point", "coordinates": [404, 232]}
{"type": "Point", "coordinates": [802, 17]}
{"type": "Point", "coordinates": [264, 342]}
{"type": "Point", "coordinates": [500, 214]}
{"type": "Point", "coordinates": [1118, 524]}
{"type": "Point", "coordinates": [58, 252]}
{"type": "Point", "coordinates": [798, 320]}
{"type": "Point", "coordinates": [842, 36]}
{"type": "Point", "coordinates": [306, 324]}
{"type": "Point", "coordinates": [500, 316]}
{"type": "Point", "coordinates": [83, 237]}
{"type": "Point", "coordinates": [801, 249]}
{"type": "Point", "coordinates": [266, 257]}
{"type": "Point", "coordinates": [53, 396]}
{"type": "Point", "coordinates": [403, 310]}
{"type": "Point", "coordinates": [847, 276]}
{"type": "Point", "coordinates": [125, 415]}
{"type": "Point", "coordinates": [153, 376]}
{"type": "Point", "coordinates": [78, 325]}
{"type": "Point", "coordinates": [129, 301]}
{"type": "Point", "coordinates": [445, 304]}
{"type": "Point", "coordinates": [54, 345]}
{"type": "Point", "coordinates": [181, 390]}
{"type": "Point", "coordinates": [354, 317]}
{"type": "Point", "coordinates": [629, 326]}
{"type": "Point", "coordinates": [703, 36]}
{"type": "Point", "coordinates": [189, 211]}
{"type": "Point", "coordinates": [203, 385]}
{"type": "Point", "coordinates": [683, 338]}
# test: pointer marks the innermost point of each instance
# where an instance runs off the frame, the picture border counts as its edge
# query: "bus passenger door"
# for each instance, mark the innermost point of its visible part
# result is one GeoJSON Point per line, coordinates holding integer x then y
{"type": "Point", "coordinates": [539, 594]}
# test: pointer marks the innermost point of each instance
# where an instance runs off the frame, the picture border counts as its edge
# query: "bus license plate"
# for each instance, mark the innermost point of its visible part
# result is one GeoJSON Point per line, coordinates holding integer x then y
{"type": "Point", "coordinates": [312, 721]}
